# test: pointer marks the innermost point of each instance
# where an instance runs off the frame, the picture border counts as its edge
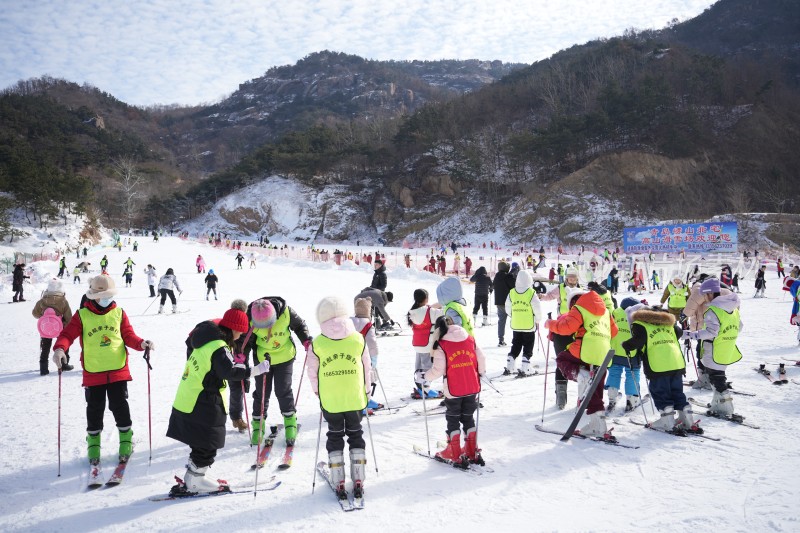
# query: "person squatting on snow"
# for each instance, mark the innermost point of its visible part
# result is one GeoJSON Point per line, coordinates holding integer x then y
{"type": "Point", "coordinates": [166, 284]}
{"type": "Point", "coordinates": [654, 337]}
{"type": "Point", "coordinates": [199, 411]}
{"type": "Point", "coordinates": [338, 371]}
{"type": "Point", "coordinates": [52, 298]}
{"type": "Point", "coordinates": [105, 334]}
{"type": "Point", "coordinates": [503, 282]}
{"type": "Point", "coordinates": [450, 296]}
{"type": "Point", "coordinates": [151, 279]}
{"type": "Point", "coordinates": [362, 321]}
{"type": "Point", "coordinates": [696, 307]}
{"type": "Point", "coordinates": [421, 318]}
{"type": "Point", "coordinates": [274, 344]}
{"type": "Point", "coordinates": [561, 342]}
{"type": "Point", "coordinates": [211, 283]}
{"type": "Point", "coordinates": [593, 326]}
{"type": "Point", "coordinates": [524, 309]}
{"type": "Point", "coordinates": [458, 358]}
{"type": "Point", "coordinates": [623, 361]}
{"type": "Point", "coordinates": [379, 301]}
{"type": "Point", "coordinates": [483, 287]}
{"type": "Point", "coordinates": [718, 349]}
{"type": "Point", "coordinates": [675, 296]}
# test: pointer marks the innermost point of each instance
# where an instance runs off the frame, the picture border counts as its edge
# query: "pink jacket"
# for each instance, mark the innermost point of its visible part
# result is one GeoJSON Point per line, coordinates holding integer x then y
{"type": "Point", "coordinates": [454, 334]}
{"type": "Point", "coordinates": [335, 328]}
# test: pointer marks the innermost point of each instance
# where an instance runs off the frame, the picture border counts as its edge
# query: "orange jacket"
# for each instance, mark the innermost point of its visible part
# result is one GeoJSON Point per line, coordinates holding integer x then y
{"type": "Point", "coordinates": [572, 322]}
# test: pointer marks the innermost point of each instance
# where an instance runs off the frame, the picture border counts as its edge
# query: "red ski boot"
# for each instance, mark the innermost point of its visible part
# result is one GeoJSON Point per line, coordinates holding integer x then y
{"type": "Point", "coordinates": [471, 450]}
{"type": "Point", "coordinates": [453, 454]}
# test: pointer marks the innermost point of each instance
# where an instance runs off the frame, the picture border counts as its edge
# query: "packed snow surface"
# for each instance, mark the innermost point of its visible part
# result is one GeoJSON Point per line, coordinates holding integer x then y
{"type": "Point", "coordinates": [745, 482]}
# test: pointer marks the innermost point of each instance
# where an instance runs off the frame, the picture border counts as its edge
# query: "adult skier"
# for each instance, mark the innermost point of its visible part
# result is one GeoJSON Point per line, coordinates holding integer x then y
{"type": "Point", "coordinates": [166, 284]}
{"type": "Point", "coordinates": [503, 282]}
{"type": "Point", "coordinates": [560, 342]}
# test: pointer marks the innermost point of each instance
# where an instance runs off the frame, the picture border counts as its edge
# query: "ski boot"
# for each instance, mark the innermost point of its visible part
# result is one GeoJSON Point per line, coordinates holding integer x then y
{"type": "Point", "coordinates": [255, 437]}
{"type": "Point", "coordinates": [561, 394]}
{"type": "Point", "coordinates": [613, 392]}
{"type": "Point", "coordinates": [524, 366]}
{"type": "Point", "coordinates": [702, 381]}
{"type": "Point", "coordinates": [290, 427]}
{"type": "Point", "coordinates": [336, 465]}
{"type": "Point", "coordinates": [160, 309]}
{"type": "Point", "coordinates": [93, 442]}
{"type": "Point", "coordinates": [687, 421]}
{"type": "Point", "coordinates": [722, 403]}
{"type": "Point", "coordinates": [174, 308]}
{"type": "Point", "coordinates": [501, 342]}
{"type": "Point", "coordinates": [583, 382]}
{"type": "Point", "coordinates": [471, 449]}
{"type": "Point", "coordinates": [485, 320]}
{"type": "Point", "coordinates": [358, 468]}
{"type": "Point", "coordinates": [475, 319]}
{"type": "Point", "coordinates": [666, 422]}
{"type": "Point", "coordinates": [125, 444]}
{"type": "Point", "coordinates": [511, 366]}
{"type": "Point", "coordinates": [631, 403]}
{"type": "Point", "coordinates": [195, 480]}
{"type": "Point", "coordinates": [452, 453]}
{"type": "Point", "coordinates": [596, 426]}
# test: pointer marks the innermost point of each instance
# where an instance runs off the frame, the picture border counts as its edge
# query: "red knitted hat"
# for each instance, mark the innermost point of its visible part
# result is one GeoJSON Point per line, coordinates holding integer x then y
{"type": "Point", "coordinates": [235, 320]}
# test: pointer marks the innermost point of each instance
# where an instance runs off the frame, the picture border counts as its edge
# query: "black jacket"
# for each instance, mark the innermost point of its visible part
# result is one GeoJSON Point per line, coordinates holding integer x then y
{"type": "Point", "coordinates": [296, 324]}
{"type": "Point", "coordinates": [503, 283]}
{"type": "Point", "coordinates": [204, 427]}
{"type": "Point", "coordinates": [211, 281]}
{"type": "Point", "coordinates": [638, 341]}
{"type": "Point", "coordinates": [483, 283]}
{"type": "Point", "coordinates": [379, 279]}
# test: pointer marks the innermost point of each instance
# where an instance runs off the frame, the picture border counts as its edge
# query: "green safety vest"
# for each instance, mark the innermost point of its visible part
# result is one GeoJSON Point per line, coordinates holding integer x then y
{"type": "Point", "coordinates": [275, 341]}
{"type": "Point", "coordinates": [624, 333]}
{"type": "Point", "coordinates": [522, 315]}
{"type": "Point", "coordinates": [663, 351]}
{"type": "Point", "coordinates": [725, 350]}
{"type": "Point", "coordinates": [341, 373]}
{"type": "Point", "coordinates": [596, 342]}
{"type": "Point", "coordinates": [677, 296]}
{"type": "Point", "coordinates": [466, 321]}
{"type": "Point", "coordinates": [103, 347]}
{"type": "Point", "coordinates": [563, 305]}
{"type": "Point", "coordinates": [606, 297]}
{"type": "Point", "coordinates": [191, 385]}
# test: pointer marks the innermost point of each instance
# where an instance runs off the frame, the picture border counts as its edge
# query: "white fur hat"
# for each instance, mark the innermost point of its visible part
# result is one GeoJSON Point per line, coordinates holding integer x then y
{"type": "Point", "coordinates": [100, 287]}
{"type": "Point", "coordinates": [331, 307]}
{"type": "Point", "coordinates": [571, 271]}
{"type": "Point", "coordinates": [575, 293]}
{"type": "Point", "coordinates": [54, 286]}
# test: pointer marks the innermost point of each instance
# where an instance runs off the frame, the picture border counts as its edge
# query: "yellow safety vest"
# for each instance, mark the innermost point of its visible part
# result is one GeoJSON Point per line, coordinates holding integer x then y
{"type": "Point", "coordinates": [103, 347]}
{"type": "Point", "coordinates": [606, 297]}
{"type": "Point", "coordinates": [596, 342]}
{"type": "Point", "coordinates": [275, 341]}
{"type": "Point", "coordinates": [624, 333]}
{"type": "Point", "coordinates": [191, 385]}
{"type": "Point", "coordinates": [466, 321]}
{"type": "Point", "coordinates": [677, 296]}
{"type": "Point", "coordinates": [341, 373]}
{"type": "Point", "coordinates": [522, 316]}
{"type": "Point", "coordinates": [663, 351]}
{"type": "Point", "coordinates": [725, 350]}
{"type": "Point", "coordinates": [563, 305]}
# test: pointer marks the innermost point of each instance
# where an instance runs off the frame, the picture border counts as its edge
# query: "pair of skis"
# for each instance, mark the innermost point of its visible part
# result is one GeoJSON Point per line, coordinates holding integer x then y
{"type": "Point", "coordinates": [348, 501]}
{"type": "Point", "coordinates": [734, 418]}
{"type": "Point", "coordinates": [96, 476]}
{"type": "Point", "coordinates": [781, 380]}
{"type": "Point", "coordinates": [263, 457]}
{"type": "Point", "coordinates": [271, 484]}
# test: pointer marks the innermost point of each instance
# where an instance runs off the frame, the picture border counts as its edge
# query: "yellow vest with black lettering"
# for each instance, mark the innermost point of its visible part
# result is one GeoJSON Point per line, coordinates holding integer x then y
{"type": "Point", "coordinates": [623, 333]}
{"type": "Point", "coordinates": [103, 347]}
{"type": "Point", "coordinates": [275, 341]}
{"type": "Point", "coordinates": [677, 296]}
{"type": "Point", "coordinates": [466, 321]}
{"type": "Point", "coordinates": [606, 297]}
{"type": "Point", "coordinates": [341, 373]}
{"type": "Point", "coordinates": [191, 385]}
{"type": "Point", "coordinates": [563, 304]}
{"type": "Point", "coordinates": [725, 350]}
{"type": "Point", "coordinates": [596, 342]}
{"type": "Point", "coordinates": [663, 351]}
{"type": "Point", "coordinates": [522, 315]}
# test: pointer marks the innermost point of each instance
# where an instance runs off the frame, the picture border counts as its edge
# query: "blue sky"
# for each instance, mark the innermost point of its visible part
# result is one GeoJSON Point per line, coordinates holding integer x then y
{"type": "Point", "coordinates": [188, 52]}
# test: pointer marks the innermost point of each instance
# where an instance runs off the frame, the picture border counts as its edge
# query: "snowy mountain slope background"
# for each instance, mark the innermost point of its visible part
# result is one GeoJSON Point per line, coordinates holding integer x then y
{"type": "Point", "coordinates": [745, 482]}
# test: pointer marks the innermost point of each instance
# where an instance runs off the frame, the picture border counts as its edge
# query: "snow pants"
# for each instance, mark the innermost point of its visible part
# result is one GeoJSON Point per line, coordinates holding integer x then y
{"type": "Point", "coordinates": [560, 343]}
{"type": "Point", "coordinates": [202, 457]}
{"type": "Point", "coordinates": [341, 425]}
{"type": "Point", "coordinates": [279, 377]}
{"type": "Point", "coordinates": [236, 397]}
{"type": "Point", "coordinates": [667, 390]}
{"type": "Point", "coordinates": [459, 412]}
{"type": "Point", "coordinates": [522, 341]}
{"type": "Point", "coordinates": [117, 393]}
{"type": "Point", "coordinates": [152, 291]}
{"type": "Point", "coordinates": [570, 366]}
{"type": "Point", "coordinates": [481, 301]}
{"type": "Point", "coordinates": [631, 378]}
{"type": "Point", "coordinates": [501, 322]}
{"type": "Point", "coordinates": [165, 293]}
{"type": "Point", "coordinates": [423, 362]}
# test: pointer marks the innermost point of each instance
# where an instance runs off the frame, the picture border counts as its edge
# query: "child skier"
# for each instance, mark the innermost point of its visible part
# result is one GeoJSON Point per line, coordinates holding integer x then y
{"type": "Point", "coordinates": [76, 275]}
{"type": "Point", "coordinates": [561, 342]}
{"type": "Point", "coordinates": [338, 371]}
{"type": "Point", "coordinates": [761, 282]}
{"type": "Point", "coordinates": [252, 258]}
{"type": "Point", "coordinates": [362, 321]}
{"type": "Point", "coordinates": [675, 296]}
{"type": "Point", "coordinates": [105, 334]}
{"type": "Point", "coordinates": [166, 284]}
{"type": "Point", "coordinates": [128, 275]}
{"type": "Point", "coordinates": [211, 283]}
{"type": "Point", "coordinates": [654, 336]}
{"type": "Point", "coordinates": [622, 360]}
{"type": "Point", "coordinates": [483, 288]}
{"type": "Point", "coordinates": [421, 318]}
{"type": "Point", "coordinates": [151, 279]}
{"type": "Point", "coordinates": [524, 309]}
{"type": "Point", "coordinates": [200, 264]}
{"type": "Point", "coordinates": [451, 297]}
{"type": "Point", "coordinates": [52, 298]}
{"type": "Point", "coordinates": [239, 259]}
{"type": "Point", "coordinates": [458, 358]}
{"type": "Point", "coordinates": [198, 413]}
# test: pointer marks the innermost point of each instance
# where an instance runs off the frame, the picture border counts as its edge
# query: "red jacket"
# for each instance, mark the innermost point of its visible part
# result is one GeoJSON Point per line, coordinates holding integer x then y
{"type": "Point", "coordinates": [572, 322]}
{"type": "Point", "coordinates": [74, 330]}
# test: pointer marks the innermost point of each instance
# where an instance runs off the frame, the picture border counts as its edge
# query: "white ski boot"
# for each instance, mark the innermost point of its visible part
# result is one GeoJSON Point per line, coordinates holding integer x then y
{"type": "Point", "coordinates": [174, 308]}
{"type": "Point", "coordinates": [722, 403]}
{"type": "Point", "coordinates": [613, 392]}
{"type": "Point", "coordinates": [336, 465]}
{"type": "Point", "coordinates": [160, 309]}
{"type": "Point", "coordinates": [688, 422]}
{"type": "Point", "coordinates": [475, 319]}
{"type": "Point", "coordinates": [196, 481]}
{"type": "Point", "coordinates": [596, 426]}
{"type": "Point", "coordinates": [511, 366]}
{"type": "Point", "coordinates": [631, 403]}
{"type": "Point", "coordinates": [524, 366]}
{"type": "Point", "coordinates": [702, 381]}
{"type": "Point", "coordinates": [583, 382]}
{"type": "Point", "coordinates": [358, 470]}
{"type": "Point", "coordinates": [486, 320]}
{"type": "Point", "coordinates": [667, 420]}
{"type": "Point", "coordinates": [561, 394]}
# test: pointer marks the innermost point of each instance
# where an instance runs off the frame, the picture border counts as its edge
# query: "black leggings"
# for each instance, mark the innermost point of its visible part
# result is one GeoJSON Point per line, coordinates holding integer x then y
{"type": "Point", "coordinates": [459, 412]}
{"type": "Point", "coordinates": [117, 393]}
{"type": "Point", "coordinates": [165, 293]}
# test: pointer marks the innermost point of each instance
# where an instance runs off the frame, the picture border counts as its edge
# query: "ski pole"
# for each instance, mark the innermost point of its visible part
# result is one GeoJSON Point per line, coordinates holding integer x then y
{"type": "Point", "coordinates": [372, 445]}
{"type": "Point", "coordinates": [299, 385]}
{"type": "Point", "coordinates": [489, 382]}
{"type": "Point", "coordinates": [425, 413]}
{"type": "Point", "coordinates": [59, 422]}
{"type": "Point", "coordinates": [639, 392]}
{"type": "Point", "coordinates": [385, 398]}
{"type": "Point", "coordinates": [694, 361]}
{"type": "Point", "coordinates": [149, 305]}
{"type": "Point", "coordinates": [146, 357]}
{"type": "Point", "coordinates": [546, 364]}
{"type": "Point", "coordinates": [246, 415]}
{"type": "Point", "coordinates": [263, 427]}
{"type": "Point", "coordinates": [477, 421]}
{"type": "Point", "coordinates": [316, 457]}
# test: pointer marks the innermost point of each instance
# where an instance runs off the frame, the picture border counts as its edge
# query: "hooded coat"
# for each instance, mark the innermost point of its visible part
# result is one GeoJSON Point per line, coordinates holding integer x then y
{"type": "Point", "coordinates": [379, 280]}
{"type": "Point", "coordinates": [483, 283]}
{"type": "Point", "coordinates": [55, 301]}
{"type": "Point", "coordinates": [204, 427]}
{"type": "Point", "coordinates": [696, 306]}
{"type": "Point", "coordinates": [450, 291]}
{"type": "Point", "coordinates": [571, 322]}
{"type": "Point", "coordinates": [523, 283]}
{"type": "Point", "coordinates": [726, 302]}
{"type": "Point", "coordinates": [638, 340]}
{"type": "Point", "coordinates": [503, 282]}
{"type": "Point", "coordinates": [417, 316]}
{"type": "Point", "coordinates": [439, 368]}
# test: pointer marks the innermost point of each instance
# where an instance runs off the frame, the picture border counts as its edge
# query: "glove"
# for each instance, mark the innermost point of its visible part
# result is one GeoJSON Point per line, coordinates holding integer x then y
{"type": "Point", "coordinates": [239, 358]}
{"type": "Point", "coordinates": [795, 320]}
{"type": "Point", "coordinates": [419, 376]}
{"type": "Point", "coordinates": [687, 335]}
{"type": "Point", "coordinates": [307, 343]}
{"type": "Point", "coordinates": [59, 358]}
{"type": "Point", "coordinates": [374, 361]}
{"type": "Point", "coordinates": [549, 323]}
{"type": "Point", "coordinates": [246, 385]}
{"type": "Point", "coordinates": [148, 344]}
{"type": "Point", "coordinates": [260, 368]}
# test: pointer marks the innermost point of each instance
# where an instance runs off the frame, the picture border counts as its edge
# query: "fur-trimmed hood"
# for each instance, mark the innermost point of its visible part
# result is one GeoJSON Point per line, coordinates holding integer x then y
{"type": "Point", "coordinates": [653, 316]}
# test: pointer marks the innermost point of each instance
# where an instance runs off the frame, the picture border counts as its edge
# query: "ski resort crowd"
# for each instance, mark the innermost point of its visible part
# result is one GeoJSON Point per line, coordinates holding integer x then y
{"type": "Point", "coordinates": [595, 339]}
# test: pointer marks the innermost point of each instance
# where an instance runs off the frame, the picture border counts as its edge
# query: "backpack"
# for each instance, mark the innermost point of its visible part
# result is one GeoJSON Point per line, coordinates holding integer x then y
{"type": "Point", "coordinates": [49, 324]}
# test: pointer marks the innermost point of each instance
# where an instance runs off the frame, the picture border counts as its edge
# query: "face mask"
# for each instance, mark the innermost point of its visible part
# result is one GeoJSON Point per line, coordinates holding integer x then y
{"type": "Point", "coordinates": [105, 302]}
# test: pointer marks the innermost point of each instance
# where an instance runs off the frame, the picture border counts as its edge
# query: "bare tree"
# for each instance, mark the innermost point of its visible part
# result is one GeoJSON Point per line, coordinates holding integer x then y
{"type": "Point", "coordinates": [128, 181]}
